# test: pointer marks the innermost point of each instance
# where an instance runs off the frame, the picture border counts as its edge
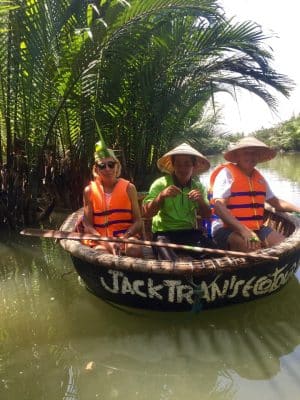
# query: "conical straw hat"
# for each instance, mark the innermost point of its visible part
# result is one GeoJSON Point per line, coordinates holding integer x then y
{"type": "Point", "coordinates": [264, 152]}
{"type": "Point", "coordinates": [165, 162]}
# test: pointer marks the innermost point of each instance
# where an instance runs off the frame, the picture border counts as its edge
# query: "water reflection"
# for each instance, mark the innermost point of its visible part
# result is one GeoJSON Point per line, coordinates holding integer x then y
{"type": "Point", "coordinates": [33, 300]}
{"type": "Point", "coordinates": [136, 354]}
{"type": "Point", "coordinates": [185, 353]}
{"type": "Point", "coordinates": [287, 165]}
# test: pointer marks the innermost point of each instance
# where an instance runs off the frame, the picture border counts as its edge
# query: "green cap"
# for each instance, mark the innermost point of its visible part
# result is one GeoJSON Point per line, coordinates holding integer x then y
{"type": "Point", "coordinates": [101, 151]}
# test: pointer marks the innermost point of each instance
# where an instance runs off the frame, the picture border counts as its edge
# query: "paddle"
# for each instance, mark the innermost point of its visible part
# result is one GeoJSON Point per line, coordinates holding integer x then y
{"type": "Point", "coordinates": [54, 234]}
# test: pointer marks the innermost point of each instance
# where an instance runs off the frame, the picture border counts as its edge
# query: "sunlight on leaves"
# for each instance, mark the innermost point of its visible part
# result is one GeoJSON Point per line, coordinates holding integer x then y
{"type": "Point", "coordinates": [89, 14]}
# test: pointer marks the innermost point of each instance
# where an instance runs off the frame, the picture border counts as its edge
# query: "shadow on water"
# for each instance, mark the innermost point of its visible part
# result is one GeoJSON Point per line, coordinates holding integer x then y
{"type": "Point", "coordinates": [58, 341]}
{"type": "Point", "coordinates": [189, 351]}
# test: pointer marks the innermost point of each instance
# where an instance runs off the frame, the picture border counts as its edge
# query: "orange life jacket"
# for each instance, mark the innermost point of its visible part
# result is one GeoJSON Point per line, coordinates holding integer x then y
{"type": "Point", "coordinates": [247, 198]}
{"type": "Point", "coordinates": [115, 219]}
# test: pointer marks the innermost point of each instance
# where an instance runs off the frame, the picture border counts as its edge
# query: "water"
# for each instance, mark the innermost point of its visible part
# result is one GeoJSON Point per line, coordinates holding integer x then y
{"type": "Point", "coordinates": [58, 341]}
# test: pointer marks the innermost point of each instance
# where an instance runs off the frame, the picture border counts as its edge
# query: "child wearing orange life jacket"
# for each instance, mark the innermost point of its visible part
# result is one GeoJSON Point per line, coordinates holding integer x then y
{"type": "Point", "coordinates": [238, 193]}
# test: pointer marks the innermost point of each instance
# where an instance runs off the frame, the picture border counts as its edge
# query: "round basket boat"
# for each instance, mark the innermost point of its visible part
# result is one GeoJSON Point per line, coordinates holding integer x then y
{"type": "Point", "coordinates": [186, 285]}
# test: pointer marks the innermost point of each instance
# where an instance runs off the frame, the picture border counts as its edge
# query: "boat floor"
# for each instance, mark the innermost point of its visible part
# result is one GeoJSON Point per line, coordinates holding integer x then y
{"type": "Point", "coordinates": [149, 255]}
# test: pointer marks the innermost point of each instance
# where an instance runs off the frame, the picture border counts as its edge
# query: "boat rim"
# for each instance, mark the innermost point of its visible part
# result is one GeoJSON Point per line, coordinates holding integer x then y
{"type": "Point", "coordinates": [178, 267]}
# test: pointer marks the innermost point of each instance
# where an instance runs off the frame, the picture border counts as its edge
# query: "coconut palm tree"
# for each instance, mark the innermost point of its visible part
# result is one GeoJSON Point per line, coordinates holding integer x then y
{"type": "Point", "coordinates": [144, 106]}
{"type": "Point", "coordinates": [139, 68]}
{"type": "Point", "coordinates": [47, 91]}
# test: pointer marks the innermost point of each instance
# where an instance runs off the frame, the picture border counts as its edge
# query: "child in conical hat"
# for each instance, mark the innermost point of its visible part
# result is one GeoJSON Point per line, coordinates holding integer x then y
{"type": "Point", "coordinates": [238, 196]}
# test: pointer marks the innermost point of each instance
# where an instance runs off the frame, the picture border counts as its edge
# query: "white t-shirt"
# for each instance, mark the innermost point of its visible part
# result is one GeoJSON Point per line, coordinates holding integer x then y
{"type": "Point", "coordinates": [222, 190]}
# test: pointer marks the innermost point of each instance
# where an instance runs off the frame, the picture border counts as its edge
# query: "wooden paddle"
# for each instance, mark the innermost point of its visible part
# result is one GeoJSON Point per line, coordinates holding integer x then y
{"type": "Point", "coordinates": [54, 234]}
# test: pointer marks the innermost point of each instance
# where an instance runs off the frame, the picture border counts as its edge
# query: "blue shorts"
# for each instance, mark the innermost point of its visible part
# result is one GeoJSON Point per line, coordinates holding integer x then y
{"type": "Point", "coordinates": [221, 235]}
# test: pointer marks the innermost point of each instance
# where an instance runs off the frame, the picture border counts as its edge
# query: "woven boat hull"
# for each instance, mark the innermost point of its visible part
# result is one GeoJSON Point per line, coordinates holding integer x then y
{"type": "Point", "coordinates": [186, 285]}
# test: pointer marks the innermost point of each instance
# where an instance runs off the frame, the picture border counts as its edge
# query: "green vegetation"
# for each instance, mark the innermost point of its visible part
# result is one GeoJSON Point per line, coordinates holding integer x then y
{"type": "Point", "coordinates": [144, 70]}
{"type": "Point", "coordinates": [285, 136]}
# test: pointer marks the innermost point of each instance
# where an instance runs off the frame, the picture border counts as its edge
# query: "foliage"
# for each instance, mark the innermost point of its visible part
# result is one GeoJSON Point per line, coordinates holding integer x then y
{"type": "Point", "coordinates": [145, 107]}
{"type": "Point", "coordinates": [144, 70]}
{"type": "Point", "coordinates": [285, 136]}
